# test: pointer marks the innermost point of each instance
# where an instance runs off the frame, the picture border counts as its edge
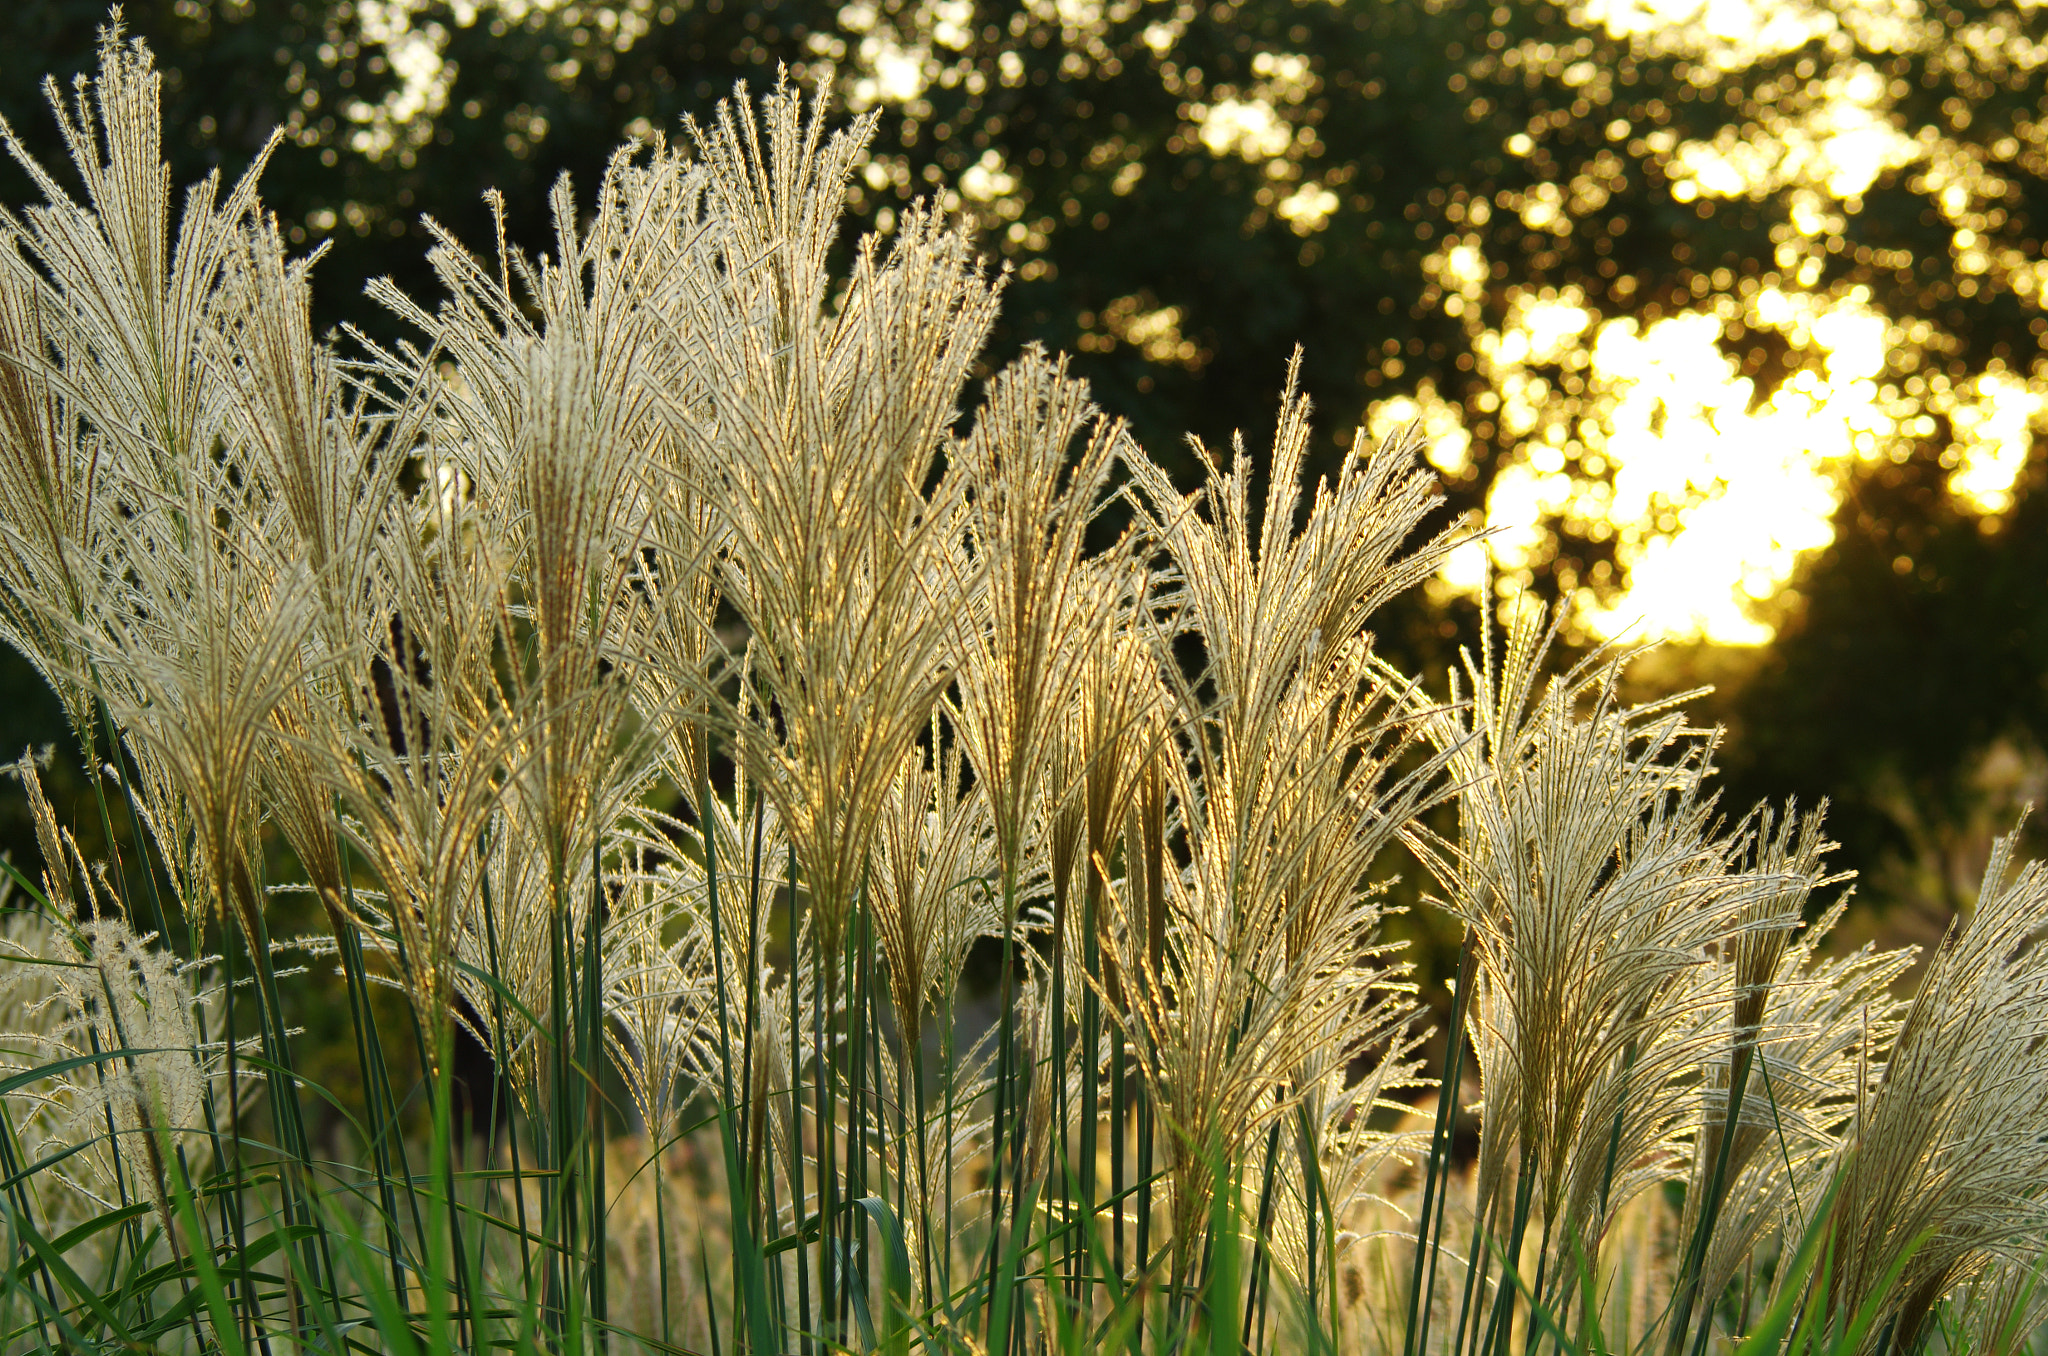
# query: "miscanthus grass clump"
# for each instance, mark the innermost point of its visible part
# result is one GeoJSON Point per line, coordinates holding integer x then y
{"type": "Point", "coordinates": [670, 664]}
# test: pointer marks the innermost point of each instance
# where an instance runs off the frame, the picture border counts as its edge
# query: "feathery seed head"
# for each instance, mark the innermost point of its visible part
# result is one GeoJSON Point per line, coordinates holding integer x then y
{"type": "Point", "coordinates": [1950, 1144]}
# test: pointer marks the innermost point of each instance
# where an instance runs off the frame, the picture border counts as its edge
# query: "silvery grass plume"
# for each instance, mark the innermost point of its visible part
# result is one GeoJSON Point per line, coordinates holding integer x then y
{"type": "Point", "coordinates": [1035, 605]}
{"type": "Point", "coordinates": [625, 517]}
{"type": "Point", "coordinates": [744, 1007]}
{"type": "Point", "coordinates": [510, 752]}
{"type": "Point", "coordinates": [128, 1011]}
{"type": "Point", "coordinates": [1271, 601]}
{"type": "Point", "coordinates": [1268, 990]}
{"type": "Point", "coordinates": [1111, 734]}
{"type": "Point", "coordinates": [1592, 882]}
{"type": "Point", "coordinates": [1783, 855]}
{"type": "Point", "coordinates": [331, 453]}
{"type": "Point", "coordinates": [505, 588]}
{"type": "Point", "coordinates": [1114, 729]}
{"type": "Point", "coordinates": [816, 441]}
{"type": "Point", "coordinates": [735, 836]}
{"type": "Point", "coordinates": [45, 1113]}
{"type": "Point", "coordinates": [751, 1034]}
{"type": "Point", "coordinates": [1044, 605]}
{"type": "Point", "coordinates": [2001, 1310]}
{"type": "Point", "coordinates": [1106, 753]}
{"type": "Point", "coordinates": [129, 307]}
{"type": "Point", "coordinates": [932, 890]}
{"type": "Point", "coordinates": [684, 654]}
{"type": "Point", "coordinates": [933, 893]}
{"type": "Point", "coordinates": [194, 647]}
{"type": "Point", "coordinates": [500, 938]}
{"type": "Point", "coordinates": [103, 368]}
{"type": "Point", "coordinates": [333, 460]}
{"type": "Point", "coordinates": [547, 427]}
{"type": "Point", "coordinates": [419, 775]}
{"type": "Point", "coordinates": [658, 994]}
{"type": "Point", "coordinates": [1945, 1167]}
{"type": "Point", "coordinates": [654, 939]}
{"type": "Point", "coordinates": [1825, 1023]}
{"type": "Point", "coordinates": [750, 858]}
{"type": "Point", "coordinates": [50, 501]}
{"type": "Point", "coordinates": [190, 625]}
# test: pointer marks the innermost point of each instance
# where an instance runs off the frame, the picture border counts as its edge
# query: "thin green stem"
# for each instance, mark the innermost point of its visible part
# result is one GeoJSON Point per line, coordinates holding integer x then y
{"type": "Point", "coordinates": [999, 1343]}
{"type": "Point", "coordinates": [1690, 1277]}
{"type": "Point", "coordinates": [1502, 1321]}
{"type": "Point", "coordinates": [596, 1263]}
{"type": "Point", "coordinates": [502, 1071]}
{"type": "Point", "coordinates": [797, 1194]}
{"type": "Point", "coordinates": [1428, 1229]}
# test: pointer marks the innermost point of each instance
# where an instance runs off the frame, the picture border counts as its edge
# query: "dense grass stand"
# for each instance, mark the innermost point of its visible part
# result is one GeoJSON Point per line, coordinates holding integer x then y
{"type": "Point", "coordinates": [674, 669]}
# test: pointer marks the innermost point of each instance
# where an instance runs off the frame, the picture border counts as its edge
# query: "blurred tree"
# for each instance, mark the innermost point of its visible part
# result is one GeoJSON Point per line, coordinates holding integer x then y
{"type": "Point", "coordinates": [1912, 688]}
{"type": "Point", "coordinates": [1707, 307]}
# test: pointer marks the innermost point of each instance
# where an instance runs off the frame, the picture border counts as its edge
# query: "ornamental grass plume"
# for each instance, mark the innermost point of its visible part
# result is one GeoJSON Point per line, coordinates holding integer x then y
{"type": "Point", "coordinates": [196, 626]}
{"type": "Point", "coordinates": [130, 306]}
{"type": "Point", "coordinates": [1288, 785]}
{"type": "Point", "coordinates": [2001, 1309]}
{"type": "Point", "coordinates": [901, 856]}
{"type": "Point", "coordinates": [1825, 1023]}
{"type": "Point", "coordinates": [197, 643]}
{"type": "Point", "coordinates": [542, 430]}
{"type": "Point", "coordinates": [500, 931]}
{"type": "Point", "coordinates": [50, 506]}
{"type": "Point", "coordinates": [816, 441]}
{"type": "Point", "coordinates": [421, 771]}
{"type": "Point", "coordinates": [657, 995]}
{"type": "Point", "coordinates": [1592, 882]}
{"type": "Point", "coordinates": [1947, 1175]}
{"type": "Point", "coordinates": [50, 1114]}
{"type": "Point", "coordinates": [1785, 858]}
{"type": "Point", "coordinates": [1043, 606]}
{"type": "Point", "coordinates": [73, 991]}
{"type": "Point", "coordinates": [936, 852]}
{"type": "Point", "coordinates": [138, 1116]}
{"type": "Point", "coordinates": [334, 464]}
{"type": "Point", "coordinates": [1269, 599]}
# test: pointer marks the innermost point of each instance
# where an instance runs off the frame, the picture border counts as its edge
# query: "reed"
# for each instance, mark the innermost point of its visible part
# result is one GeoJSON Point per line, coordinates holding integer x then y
{"type": "Point", "coordinates": [671, 666]}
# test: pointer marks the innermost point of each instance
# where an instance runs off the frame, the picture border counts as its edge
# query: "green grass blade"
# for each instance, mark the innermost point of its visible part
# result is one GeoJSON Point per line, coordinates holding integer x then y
{"type": "Point", "coordinates": [895, 1337]}
{"type": "Point", "coordinates": [1769, 1333]}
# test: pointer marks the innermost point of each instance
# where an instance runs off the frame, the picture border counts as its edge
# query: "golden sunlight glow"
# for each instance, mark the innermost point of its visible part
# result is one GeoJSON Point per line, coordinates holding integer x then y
{"type": "Point", "coordinates": [1247, 127]}
{"type": "Point", "coordinates": [1651, 438]}
{"type": "Point", "coordinates": [403, 119]}
{"type": "Point", "coordinates": [1732, 33]}
{"type": "Point", "coordinates": [1994, 434]}
{"type": "Point", "coordinates": [1835, 135]}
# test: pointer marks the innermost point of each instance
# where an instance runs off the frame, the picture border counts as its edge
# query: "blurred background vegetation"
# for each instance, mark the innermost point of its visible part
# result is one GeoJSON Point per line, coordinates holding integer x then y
{"type": "Point", "coordinates": [1726, 314]}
